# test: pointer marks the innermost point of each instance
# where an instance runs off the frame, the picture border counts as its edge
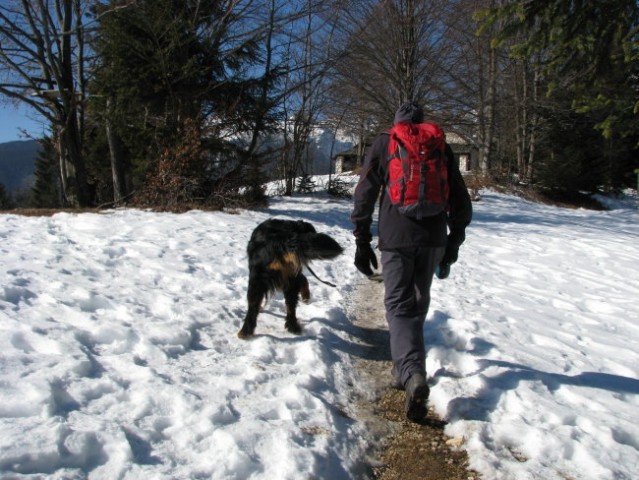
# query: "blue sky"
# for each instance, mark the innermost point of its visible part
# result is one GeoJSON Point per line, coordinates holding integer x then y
{"type": "Point", "coordinates": [12, 119]}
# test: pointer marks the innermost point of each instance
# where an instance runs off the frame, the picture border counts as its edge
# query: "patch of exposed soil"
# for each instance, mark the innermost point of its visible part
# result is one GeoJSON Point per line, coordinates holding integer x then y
{"type": "Point", "coordinates": [405, 450]}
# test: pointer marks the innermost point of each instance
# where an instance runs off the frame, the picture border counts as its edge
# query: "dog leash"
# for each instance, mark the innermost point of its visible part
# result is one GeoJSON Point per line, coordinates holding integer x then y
{"type": "Point", "coordinates": [323, 281]}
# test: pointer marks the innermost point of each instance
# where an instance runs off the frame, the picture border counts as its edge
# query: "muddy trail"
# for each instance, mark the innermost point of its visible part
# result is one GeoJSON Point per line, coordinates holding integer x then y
{"type": "Point", "coordinates": [403, 450]}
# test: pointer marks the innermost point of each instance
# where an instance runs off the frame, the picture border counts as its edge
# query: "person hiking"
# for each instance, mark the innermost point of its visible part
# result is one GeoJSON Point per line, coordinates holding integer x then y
{"type": "Point", "coordinates": [412, 247]}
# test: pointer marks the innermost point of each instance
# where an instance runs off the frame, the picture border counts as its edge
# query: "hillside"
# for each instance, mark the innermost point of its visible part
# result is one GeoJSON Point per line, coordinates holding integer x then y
{"type": "Point", "coordinates": [17, 161]}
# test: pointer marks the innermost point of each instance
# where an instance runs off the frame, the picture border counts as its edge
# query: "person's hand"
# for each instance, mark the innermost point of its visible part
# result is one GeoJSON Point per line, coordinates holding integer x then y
{"type": "Point", "coordinates": [364, 258]}
{"type": "Point", "coordinates": [450, 257]}
{"type": "Point", "coordinates": [451, 254]}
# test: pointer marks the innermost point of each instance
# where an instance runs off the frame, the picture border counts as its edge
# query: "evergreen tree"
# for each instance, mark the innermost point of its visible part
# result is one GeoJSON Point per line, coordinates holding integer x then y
{"type": "Point", "coordinates": [338, 188]}
{"type": "Point", "coordinates": [163, 68]}
{"type": "Point", "coordinates": [588, 48]}
{"type": "Point", "coordinates": [5, 200]}
{"type": "Point", "coordinates": [306, 184]}
{"type": "Point", "coordinates": [45, 192]}
{"type": "Point", "coordinates": [586, 60]}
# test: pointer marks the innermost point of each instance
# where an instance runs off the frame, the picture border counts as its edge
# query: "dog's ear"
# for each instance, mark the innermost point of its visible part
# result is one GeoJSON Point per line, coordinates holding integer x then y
{"type": "Point", "coordinates": [304, 227]}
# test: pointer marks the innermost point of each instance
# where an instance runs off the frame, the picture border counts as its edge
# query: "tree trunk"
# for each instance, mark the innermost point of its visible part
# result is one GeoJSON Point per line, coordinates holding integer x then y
{"type": "Point", "coordinates": [80, 197]}
{"type": "Point", "coordinates": [534, 123]}
{"type": "Point", "coordinates": [71, 112]}
{"type": "Point", "coordinates": [491, 103]}
{"type": "Point", "coordinates": [117, 161]}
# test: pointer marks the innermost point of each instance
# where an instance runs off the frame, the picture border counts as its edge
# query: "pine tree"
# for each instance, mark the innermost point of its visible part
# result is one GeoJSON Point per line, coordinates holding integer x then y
{"type": "Point", "coordinates": [584, 121]}
{"type": "Point", "coordinates": [306, 184]}
{"type": "Point", "coordinates": [588, 48]}
{"type": "Point", "coordinates": [45, 192]}
{"type": "Point", "coordinates": [5, 200]}
{"type": "Point", "coordinates": [164, 66]}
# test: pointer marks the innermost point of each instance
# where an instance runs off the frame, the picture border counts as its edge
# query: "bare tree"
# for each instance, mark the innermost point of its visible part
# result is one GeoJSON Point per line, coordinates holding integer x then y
{"type": "Point", "coordinates": [42, 54]}
{"type": "Point", "coordinates": [394, 50]}
{"type": "Point", "coordinates": [306, 100]}
{"type": "Point", "coordinates": [486, 58]}
{"type": "Point", "coordinates": [521, 101]}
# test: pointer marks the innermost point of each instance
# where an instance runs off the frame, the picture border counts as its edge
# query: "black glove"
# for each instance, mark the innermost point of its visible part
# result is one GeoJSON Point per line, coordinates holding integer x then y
{"type": "Point", "coordinates": [364, 258]}
{"type": "Point", "coordinates": [450, 257]}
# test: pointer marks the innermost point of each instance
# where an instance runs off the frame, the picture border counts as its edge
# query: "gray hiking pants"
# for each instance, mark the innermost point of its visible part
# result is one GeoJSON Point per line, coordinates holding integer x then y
{"type": "Point", "coordinates": [408, 275]}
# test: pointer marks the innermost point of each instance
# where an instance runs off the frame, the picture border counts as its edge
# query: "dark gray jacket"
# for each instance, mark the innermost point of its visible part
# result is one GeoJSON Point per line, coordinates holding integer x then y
{"type": "Point", "coordinates": [397, 230]}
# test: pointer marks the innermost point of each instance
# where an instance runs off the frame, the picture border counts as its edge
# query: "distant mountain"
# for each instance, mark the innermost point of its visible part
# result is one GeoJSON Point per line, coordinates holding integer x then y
{"type": "Point", "coordinates": [17, 164]}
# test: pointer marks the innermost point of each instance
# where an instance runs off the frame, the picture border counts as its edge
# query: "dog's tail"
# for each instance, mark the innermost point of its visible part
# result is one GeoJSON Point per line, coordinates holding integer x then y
{"type": "Point", "coordinates": [316, 246]}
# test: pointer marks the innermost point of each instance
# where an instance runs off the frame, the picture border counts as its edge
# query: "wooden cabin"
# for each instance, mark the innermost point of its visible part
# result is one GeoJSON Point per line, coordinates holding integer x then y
{"type": "Point", "coordinates": [466, 153]}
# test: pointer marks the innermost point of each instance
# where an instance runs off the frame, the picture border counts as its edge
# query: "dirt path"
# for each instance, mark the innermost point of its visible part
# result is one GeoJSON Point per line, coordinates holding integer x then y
{"type": "Point", "coordinates": [405, 450]}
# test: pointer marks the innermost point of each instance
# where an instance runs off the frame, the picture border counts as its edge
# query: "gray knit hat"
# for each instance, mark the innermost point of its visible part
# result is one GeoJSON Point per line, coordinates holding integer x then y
{"type": "Point", "coordinates": [410, 112]}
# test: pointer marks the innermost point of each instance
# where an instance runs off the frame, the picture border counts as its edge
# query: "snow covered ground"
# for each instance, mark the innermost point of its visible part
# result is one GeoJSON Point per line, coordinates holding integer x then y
{"type": "Point", "coordinates": [119, 356]}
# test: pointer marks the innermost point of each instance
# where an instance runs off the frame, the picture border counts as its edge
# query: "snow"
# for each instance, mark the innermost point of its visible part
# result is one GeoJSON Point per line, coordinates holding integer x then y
{"type": "Point", "coordinates": [119, 356]}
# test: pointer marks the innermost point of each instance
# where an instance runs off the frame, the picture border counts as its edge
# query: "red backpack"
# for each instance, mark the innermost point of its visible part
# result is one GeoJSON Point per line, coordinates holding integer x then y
{"type": "Point", "coordinates": [417, 172]}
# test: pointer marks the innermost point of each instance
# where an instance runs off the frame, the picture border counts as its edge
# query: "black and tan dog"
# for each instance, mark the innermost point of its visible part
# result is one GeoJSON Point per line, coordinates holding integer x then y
{"type": "Point", "coordinates": [277, 252]}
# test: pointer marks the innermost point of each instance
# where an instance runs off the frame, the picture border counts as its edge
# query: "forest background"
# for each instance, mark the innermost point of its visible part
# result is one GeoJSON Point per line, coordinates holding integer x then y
{"type": "Point", "coordinates": [172, 104]}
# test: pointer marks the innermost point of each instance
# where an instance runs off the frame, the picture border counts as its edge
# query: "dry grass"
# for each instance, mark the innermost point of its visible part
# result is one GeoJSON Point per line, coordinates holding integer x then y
{"type": "Point", "coordinates": [46, 212]}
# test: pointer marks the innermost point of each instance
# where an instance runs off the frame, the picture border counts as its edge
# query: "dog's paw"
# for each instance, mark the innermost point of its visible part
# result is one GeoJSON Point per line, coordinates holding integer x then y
{"type": "Point", "coordinates": [293, 327]}
{"type": "Point", "coordinates": [244, 334]}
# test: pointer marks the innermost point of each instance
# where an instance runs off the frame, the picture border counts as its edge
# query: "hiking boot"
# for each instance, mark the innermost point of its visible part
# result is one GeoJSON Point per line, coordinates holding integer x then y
{"type": "Point", "coordinates": [396, 381]}
{"type": "Point", "coordinates": [417, 392]}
